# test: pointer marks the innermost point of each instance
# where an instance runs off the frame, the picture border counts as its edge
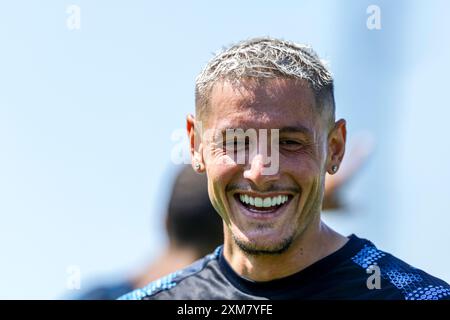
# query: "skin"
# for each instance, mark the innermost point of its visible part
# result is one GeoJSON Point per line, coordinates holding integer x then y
{"type": "Point", "coordinates": [294, 237]}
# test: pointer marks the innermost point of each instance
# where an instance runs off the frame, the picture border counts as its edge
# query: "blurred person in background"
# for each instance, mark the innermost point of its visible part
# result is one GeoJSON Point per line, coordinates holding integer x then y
{"type": "Point", "coordinates": [193, 227]}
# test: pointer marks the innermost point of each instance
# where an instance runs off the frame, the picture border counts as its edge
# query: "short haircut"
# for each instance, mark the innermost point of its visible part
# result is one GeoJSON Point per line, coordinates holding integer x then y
{"type": "Point", "coordinates": [263, 58]}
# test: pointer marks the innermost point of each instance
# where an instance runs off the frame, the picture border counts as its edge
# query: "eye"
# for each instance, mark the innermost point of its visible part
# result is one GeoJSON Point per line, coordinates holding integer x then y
{"type": "Point", "coordinates": [236, 145]}
{"type": "Point", "coordinates": [289, 144]}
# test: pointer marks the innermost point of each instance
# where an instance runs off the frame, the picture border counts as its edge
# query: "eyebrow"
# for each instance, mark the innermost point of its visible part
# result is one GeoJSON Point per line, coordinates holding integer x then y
{"type": "Point", "coordinates": [296, 129]}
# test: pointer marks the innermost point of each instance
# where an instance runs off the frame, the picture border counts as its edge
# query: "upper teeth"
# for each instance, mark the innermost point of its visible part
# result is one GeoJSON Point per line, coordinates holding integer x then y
{"type": "Point", "coordinates": [263, 202]}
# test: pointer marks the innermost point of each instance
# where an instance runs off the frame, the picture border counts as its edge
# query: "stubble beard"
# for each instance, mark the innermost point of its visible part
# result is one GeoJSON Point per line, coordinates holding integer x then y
{"type": "Point", "coordinates": [253, 249]}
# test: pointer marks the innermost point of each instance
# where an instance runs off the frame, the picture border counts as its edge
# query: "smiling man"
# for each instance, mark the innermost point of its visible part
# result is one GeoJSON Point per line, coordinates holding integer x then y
{"type": "Point", "coordinates": [267, 94]}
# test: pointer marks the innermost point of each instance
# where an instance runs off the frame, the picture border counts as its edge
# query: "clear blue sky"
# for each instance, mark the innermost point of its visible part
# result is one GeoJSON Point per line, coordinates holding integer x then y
{"type": "Point", "coordinates": [86, 118]}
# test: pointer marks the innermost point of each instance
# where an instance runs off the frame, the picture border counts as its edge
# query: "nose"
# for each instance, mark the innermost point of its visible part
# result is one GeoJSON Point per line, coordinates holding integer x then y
{"type": "Point", "coordinates": [257, 174]}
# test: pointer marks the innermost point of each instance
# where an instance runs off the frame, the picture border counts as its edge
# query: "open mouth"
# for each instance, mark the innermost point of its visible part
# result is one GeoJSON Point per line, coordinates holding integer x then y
{"type": "Point", "coordinates": [262, 205]}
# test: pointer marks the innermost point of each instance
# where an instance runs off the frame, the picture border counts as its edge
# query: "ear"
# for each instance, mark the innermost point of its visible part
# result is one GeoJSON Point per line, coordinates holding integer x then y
{"type": "Point", "coordinates": [336, 146]}
{"type": "Point", "coordinates": [195, 144]}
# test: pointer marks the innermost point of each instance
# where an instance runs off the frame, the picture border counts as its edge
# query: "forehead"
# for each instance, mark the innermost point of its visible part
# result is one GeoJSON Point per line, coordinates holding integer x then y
{"type": "Point", "coordinates": [269, 103]}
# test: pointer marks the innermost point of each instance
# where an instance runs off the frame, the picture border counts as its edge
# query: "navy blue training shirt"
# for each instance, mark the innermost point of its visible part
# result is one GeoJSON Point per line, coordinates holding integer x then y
{"type": "Point", "coordinates": [340, 275]}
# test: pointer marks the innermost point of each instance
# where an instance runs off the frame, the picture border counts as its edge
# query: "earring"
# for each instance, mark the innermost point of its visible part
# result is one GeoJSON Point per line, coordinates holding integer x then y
{"type": "Point", "coordinates": [197, 166]}
{"type": "Point", "coordinates": [334, 168]}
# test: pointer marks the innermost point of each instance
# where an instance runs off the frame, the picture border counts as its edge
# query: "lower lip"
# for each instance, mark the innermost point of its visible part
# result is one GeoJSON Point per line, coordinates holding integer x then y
{"type": "Point", "coordinates": [262, 215]}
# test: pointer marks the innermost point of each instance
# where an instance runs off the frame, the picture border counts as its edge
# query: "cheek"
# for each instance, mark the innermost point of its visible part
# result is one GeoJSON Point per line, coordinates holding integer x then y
{"type": "Point", "coordinates": [304, 169]}
{"type": "Point", "coordinates": [307, 173]}
{"type": "Point", "coordinates": [220, 167]}
{"type": "Point", "coordinates": [218, 179]}
{"type": "Point", "coordinates": [220, 171]}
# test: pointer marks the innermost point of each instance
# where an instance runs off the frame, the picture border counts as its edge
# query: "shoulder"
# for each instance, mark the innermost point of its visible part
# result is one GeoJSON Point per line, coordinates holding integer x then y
{"type": "Point", "coordinates": [186, 277]}
{"type": "Point", "coordinates": [397, 276]}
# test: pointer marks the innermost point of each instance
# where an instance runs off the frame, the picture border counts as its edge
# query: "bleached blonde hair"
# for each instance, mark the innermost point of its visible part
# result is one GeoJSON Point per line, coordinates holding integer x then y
{"type": "Point", "coordinates": [263, 58]}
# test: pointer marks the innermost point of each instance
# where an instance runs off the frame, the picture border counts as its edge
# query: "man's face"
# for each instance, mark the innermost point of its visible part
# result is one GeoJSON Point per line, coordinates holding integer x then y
{"type": "Point", "coordinates": [266, 213]}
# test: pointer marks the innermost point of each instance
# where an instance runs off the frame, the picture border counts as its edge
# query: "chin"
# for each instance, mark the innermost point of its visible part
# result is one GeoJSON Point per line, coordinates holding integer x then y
{"type": "Point", "coordinates": [262, 245]}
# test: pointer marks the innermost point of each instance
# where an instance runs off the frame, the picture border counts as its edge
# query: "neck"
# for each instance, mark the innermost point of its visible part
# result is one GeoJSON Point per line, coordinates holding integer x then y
{"type": "Point", "coordinates": [171, 260]}
{"type": "Point", "coordinates": [315, 243]}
